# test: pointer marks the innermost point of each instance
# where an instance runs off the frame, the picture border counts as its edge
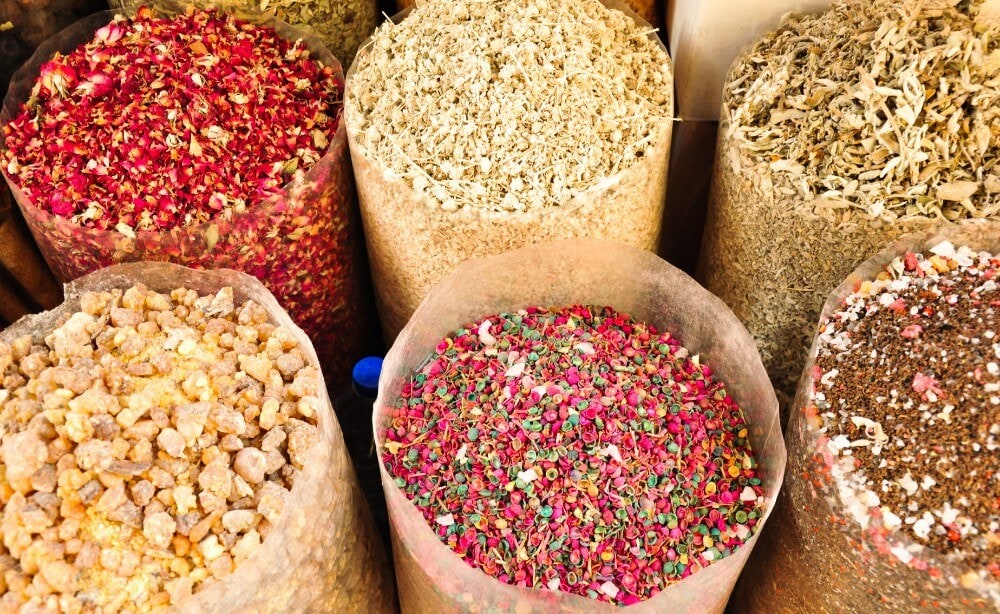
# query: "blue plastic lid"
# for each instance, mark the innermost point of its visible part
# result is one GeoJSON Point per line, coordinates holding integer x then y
{"type": "Point", "coordinates": [365, 374]}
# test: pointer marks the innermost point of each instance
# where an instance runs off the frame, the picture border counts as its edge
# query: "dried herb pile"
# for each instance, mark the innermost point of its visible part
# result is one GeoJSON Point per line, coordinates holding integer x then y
{"type": "Point", "coordinates": [509, 106]}
{"type": "Point", "coordinates": [342, 25]}
{"type": "Point", "coordinates": [480, 127]}
{"type": "Point", "coordinates": [649, 10]}
{"type": "Point", "coordinates": [882, 109]}
{"type": "Point", "coordinates": [575, 449]}
{"type": "Point", "coordinates": [840, 133]}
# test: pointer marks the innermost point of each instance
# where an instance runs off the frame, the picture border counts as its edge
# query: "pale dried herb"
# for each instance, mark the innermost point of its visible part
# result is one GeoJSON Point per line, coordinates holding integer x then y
{"type": "Point", "coordinates": [509, 106]}
{"type": "Point", "coordinates": [479, 127]}
{"type": "Point", "coordinates": [839, 133]}
{"type": "Point", "coordinates": [649, 10]}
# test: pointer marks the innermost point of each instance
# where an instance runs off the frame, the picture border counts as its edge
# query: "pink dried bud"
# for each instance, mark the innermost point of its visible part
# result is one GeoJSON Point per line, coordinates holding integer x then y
{"type": "Point", "coordinates": [96, 85]}
{"type": "Point", "coordinates": [60, 206]}
{"type": "Point", "coordinates": [912, 331]}
{"type": "Point", "coordinates": [110, 33]}
{"type": "Point", "coordinates": [57, 78]}
{"type": "Point", "coordinates": [217, 201]}
{"type": "Point", "coordinates": [244, 49]}
{"type": "Point", "coordinates": [925, 383]}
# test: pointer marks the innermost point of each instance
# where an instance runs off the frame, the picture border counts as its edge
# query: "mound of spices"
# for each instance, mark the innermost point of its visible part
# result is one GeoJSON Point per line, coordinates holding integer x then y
{"type": "Point", "coordinates": [893, 454]}
{"type": "Point", "coordinates": [149, 444]}
{"type": "Point", "coordinates": [194, 137]}
{"type": "Point", "coordinates": [154, 446]}
{"type": "Point", "coordinates": [575, 449]}
{"type": "Point", "coordinates": [840, 133]}
{"type": "Point", "coordinates": [480, 127]}
{"type": "Point", "coordinates": [907, 385]}
{"type": "Point", "coordinates": [204, 114]}
{"type": "Point", "coordinates": [649, 10]}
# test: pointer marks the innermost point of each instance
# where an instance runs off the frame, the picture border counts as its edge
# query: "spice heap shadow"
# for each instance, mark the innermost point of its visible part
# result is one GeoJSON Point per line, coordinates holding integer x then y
{"type": "Point", "coordinates": [906, 396]}
{"type": "Point", "coordinates": [575, 449]}
{"type": "Point", "coordinates": [197, 138]}
{"type": "Point", "coordinates": [840, 133]}
{"type": "Point", "coordinates": [111, 501]}
{"type": "Point", "coordinates": [480, 127]}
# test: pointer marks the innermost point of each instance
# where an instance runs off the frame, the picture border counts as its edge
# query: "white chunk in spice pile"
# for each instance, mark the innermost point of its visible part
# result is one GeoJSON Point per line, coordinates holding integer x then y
{"type": "Point", "coordinates": [147, 444]}
{"type": "Point", "coordinates": [509, 106]}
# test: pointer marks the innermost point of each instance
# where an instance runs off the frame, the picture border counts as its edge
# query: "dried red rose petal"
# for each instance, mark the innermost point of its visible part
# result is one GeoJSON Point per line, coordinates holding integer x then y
{"type": "Point", "coordinates": [165, 121]}
{"type": "Point", "coordinates": [200, 139]}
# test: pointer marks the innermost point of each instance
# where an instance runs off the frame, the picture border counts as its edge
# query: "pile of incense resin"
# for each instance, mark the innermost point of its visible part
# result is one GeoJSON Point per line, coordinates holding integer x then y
{"type": "Point", "coordinates": [149, 444]}
{"type": "Point", "coordinates": [575, 449]}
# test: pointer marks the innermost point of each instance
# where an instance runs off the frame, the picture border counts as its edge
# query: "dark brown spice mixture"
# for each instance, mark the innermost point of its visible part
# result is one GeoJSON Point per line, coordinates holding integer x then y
{"type": "Point", "coordinates": [920, 363]}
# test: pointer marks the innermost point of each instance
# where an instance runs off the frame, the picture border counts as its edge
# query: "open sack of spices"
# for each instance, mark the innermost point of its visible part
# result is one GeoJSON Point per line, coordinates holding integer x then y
{"type": "Point", "coordinates": [480, 127]}
{"type": "Point", "coordinates": [705, 38]}
{"type": "Point", "coordinates": [840, 133]}
{"type": "Point", "coordinates": [167, 439]}
{"type": "Point", "coordinates": [204, 138]}
{"type": "Point", "coordinates": [891, 494]}
{"type": "Point", "coordinates": [573, 427]}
